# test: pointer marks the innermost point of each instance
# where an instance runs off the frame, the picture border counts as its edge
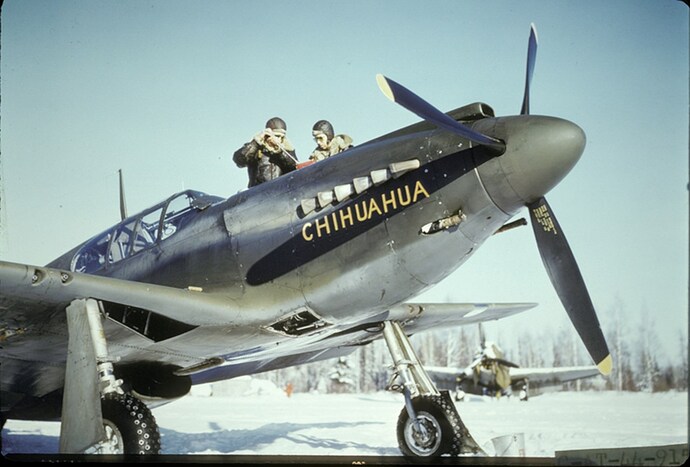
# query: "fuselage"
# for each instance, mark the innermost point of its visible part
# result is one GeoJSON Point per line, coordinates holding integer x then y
{"type": "Point", "coordinates": [363, 254]}
{"type": "Point", "coordinates": [366, 252]}
{"type": "Point", "coordinates": [345, 239]}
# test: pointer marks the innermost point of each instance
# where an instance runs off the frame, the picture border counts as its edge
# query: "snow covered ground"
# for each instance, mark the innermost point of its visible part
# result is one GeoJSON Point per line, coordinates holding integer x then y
{"type": "Point", "coordinates": [255, 418]}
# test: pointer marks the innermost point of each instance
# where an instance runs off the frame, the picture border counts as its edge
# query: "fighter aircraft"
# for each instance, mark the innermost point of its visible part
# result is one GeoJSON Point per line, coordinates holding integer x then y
{"type": "Point", "coordinates": [308, 266]}
{"type": "Point", "coordinates": [491, 374]}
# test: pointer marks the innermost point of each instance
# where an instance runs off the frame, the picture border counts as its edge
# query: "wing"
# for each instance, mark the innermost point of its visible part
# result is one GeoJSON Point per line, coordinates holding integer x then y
{"type": "Point", "coordinates": [414, 317]}
{"type": "Point", "coordinates": [552, 376]}
{"type": "Point", "coordinates": [29, 293]}
{"type": "Point", "coordinates": [446, 377]}
{"type": "Point", "coordinates": [418, 317]}
{"type": "Point", "coordinates": [33, 327]}
{"type": "Point", "coordinates": [26, 292]}
{"type": "Point", "coordinates": [183, 333]}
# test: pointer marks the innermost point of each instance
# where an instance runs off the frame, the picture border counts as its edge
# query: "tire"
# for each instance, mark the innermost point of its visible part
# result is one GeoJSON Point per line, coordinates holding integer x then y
{"type": "Point", "coordinates": [129, 425]}
{"type": "Point", "coordinates": [442, 427]}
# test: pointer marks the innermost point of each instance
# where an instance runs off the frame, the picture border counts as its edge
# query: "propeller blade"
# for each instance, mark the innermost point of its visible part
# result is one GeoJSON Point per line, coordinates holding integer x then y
{"type": "Point", "coordinates": [531, 59]}
{"type": "Point", "coordinates": [415, 104]}
{"type": "Point", "coordinates": [567, 280]}
{"type": "Point", "coordinates": [482, 337]}
{"type": "Point", "coordinates": [503, 362]}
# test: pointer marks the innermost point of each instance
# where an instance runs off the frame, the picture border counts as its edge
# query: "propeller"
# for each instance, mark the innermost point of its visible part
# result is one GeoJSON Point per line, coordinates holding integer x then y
{"type": "Point", "coordinates": [496, 353]}
{"type": "Point", "coordinates": [558, 258]}
{"type": "Point", "coordinates": [555, 252]}
{"type": "Point", "coordinates": [503, 362]}
{"type": "Point", "coordinates": [415, 104]}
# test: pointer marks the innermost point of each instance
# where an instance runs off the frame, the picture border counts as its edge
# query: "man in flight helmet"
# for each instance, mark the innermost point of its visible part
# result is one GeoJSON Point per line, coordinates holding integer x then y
{"type": "Point", "coordinates": [268, 155]}
{"type": "Point", "coordinates": [327, 142]}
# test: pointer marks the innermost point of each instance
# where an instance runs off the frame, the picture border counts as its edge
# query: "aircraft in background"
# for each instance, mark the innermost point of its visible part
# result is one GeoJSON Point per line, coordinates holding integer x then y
{"type": "Point", "coordinates": [306, 267]}
{"type": "Point", "coordinates": [490, 374]}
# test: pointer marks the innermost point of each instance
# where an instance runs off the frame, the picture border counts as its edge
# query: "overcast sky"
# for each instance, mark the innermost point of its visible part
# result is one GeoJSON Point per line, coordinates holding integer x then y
{"type": "Point", "coordinates": [167, 90]}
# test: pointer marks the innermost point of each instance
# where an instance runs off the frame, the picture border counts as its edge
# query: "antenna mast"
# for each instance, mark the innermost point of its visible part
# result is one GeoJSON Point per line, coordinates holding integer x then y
{"type": "Point", "coordinates": [3, 220]}
{"type": "Point", "coordinates": [123, 203]}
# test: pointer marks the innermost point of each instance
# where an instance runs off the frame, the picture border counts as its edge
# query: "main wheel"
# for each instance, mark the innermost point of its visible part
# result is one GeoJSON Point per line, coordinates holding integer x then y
{"type": "Point", "coordinates": [434, 434]}
{"type": "Point", "coordinates": [130, 427]}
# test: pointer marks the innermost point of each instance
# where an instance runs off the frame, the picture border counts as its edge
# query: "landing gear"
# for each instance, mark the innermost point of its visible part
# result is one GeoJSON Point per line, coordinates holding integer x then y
{"type": "Point", "coordinates": [97, 415]}
{"type": "Point", "coordinates": [129, 426]}
{"type": "Point", "coordinates": [429, 425]}
{"type": "Point", "coordinates": [434, 432]}
{"type": "Point", "coordinates": [524, 392]}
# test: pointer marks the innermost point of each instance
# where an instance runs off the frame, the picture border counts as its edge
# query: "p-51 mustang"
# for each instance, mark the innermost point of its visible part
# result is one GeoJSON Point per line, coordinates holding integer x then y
{"type": "Point", "coordinates": [306, 267]}
{"type": "Point", "coordinates": [491, 374]}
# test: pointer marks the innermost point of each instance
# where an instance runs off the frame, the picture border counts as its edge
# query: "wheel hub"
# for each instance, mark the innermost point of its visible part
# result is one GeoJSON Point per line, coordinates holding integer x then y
{"type": "Point", "coordinates": [113, 443]}
{"type": "Point", "coordinates": [426, 440]}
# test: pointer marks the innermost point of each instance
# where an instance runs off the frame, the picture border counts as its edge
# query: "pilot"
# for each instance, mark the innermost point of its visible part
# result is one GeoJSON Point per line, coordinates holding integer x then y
{"type": "Point", "coordinates": [327, 142]}
{"type": "Point", "coordinates": [268, 155]}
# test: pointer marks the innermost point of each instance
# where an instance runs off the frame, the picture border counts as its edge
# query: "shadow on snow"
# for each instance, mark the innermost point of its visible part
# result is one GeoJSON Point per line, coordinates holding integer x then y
{"type": "Point", "coordinates": [230, 441]}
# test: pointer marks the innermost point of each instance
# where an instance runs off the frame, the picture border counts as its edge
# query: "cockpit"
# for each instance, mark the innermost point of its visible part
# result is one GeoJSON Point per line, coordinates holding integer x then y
{"type": "Point", "coordinates": [141, 231]}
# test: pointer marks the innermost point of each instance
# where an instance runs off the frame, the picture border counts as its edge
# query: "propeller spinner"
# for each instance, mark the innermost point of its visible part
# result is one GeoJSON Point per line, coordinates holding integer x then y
{"type": "Point", "coordinates": [562, 142]}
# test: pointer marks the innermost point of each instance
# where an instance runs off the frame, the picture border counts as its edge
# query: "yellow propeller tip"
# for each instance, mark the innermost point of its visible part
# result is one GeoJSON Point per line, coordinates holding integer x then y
{"type": "Point", "coordinates": [605, 366]}
{"type": "Point", "coordinates": [385, 87]}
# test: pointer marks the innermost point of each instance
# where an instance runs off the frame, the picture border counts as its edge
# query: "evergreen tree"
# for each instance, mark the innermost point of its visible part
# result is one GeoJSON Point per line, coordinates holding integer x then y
{"type": "Point", "coordinates": [680, 374]}
{"type": "Point", "coordinates": [559, 356]}
{"type": "Point", "coordinates": [621, 378]}
{"type": "Point", "coordinates": [341, 376]}
{"type": "Point", "coordinates": [453, 342]}
{"type": "Point", "coordinates": [534, 350]}
{"type": "Point", "coordinates": [648, 364]}
{"type": "Point", "coordinates": [363, 355]}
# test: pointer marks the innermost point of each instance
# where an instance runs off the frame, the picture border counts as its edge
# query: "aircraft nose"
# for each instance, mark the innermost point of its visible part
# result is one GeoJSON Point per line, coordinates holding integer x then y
{"type": "Point", "coordinates": [540, 151]}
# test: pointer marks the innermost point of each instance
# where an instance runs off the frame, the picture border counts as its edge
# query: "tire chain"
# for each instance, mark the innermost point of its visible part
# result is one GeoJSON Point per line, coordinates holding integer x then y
{"type": "Point", "coordinates": [463, 443]}
{"type": "Point", "coordinates": [143, 418]}
{"type": "Point", "coordinates": [148, 437]}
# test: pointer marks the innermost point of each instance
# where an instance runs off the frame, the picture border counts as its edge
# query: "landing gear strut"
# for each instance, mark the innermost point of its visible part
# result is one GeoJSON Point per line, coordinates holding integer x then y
{"type": "Point", "coordinates": [97, 415]}
{"type": "Point", "coordinates": [429, 424]}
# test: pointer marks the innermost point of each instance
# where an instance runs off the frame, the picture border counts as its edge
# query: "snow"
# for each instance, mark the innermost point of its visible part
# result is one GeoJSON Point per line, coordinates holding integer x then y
{"type": "Point", "coordinates": [253, 417]}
